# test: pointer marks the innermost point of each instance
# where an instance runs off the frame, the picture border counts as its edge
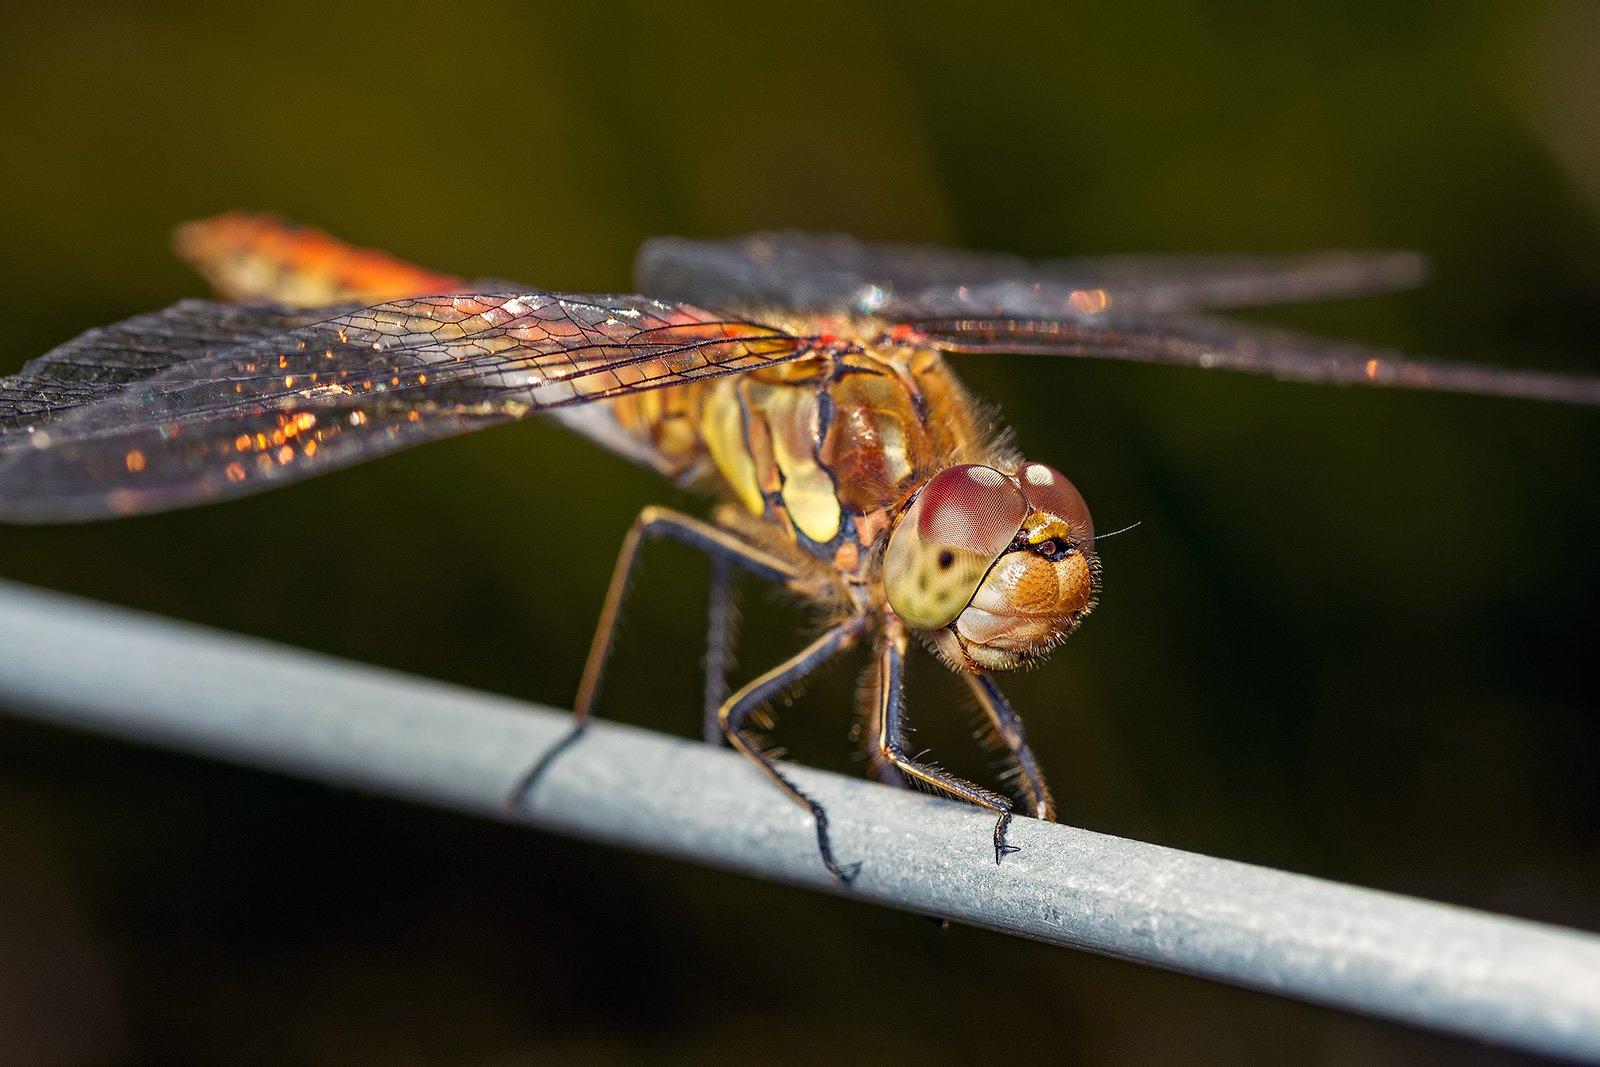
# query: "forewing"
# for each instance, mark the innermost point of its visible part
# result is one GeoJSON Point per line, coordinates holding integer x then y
{"type": "Point", "coordinates": [204, 401]}
{"type": "Point", "coordinates": [1201, 341]}
{"type": "Point", "coordinates": [832, 272]}
{"type": "Point", "coordinates": [95, 366]}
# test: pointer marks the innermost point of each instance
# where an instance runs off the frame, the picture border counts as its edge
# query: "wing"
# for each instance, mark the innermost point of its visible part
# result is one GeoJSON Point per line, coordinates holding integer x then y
{"type": "Point", "coordinates": [1200, 341]}
{"type": "Point", "coordinates": [1129, 308]}
{"type": "Point", "coordinates": [832, 272]}
{"type": "Point", "coordinates": [205, 401]}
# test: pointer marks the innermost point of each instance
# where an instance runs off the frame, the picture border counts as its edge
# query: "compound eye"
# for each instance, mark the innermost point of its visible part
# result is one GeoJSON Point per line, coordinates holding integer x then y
{"type": "Point", "coordinates": [946, 541]}
{"type": "Point", "coordinates": [1051, 492]}
{"type": "Point", "coordinates": [970, 508]}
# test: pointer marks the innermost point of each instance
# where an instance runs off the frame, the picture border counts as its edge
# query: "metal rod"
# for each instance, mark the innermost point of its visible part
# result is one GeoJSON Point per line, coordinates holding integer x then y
{"type": "Point", "coordinates": [248, 701]}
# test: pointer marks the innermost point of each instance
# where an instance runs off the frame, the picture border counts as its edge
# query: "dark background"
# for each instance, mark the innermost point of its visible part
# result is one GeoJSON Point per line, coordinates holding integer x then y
{"type": "Point", "coordinates": [1352, 637]}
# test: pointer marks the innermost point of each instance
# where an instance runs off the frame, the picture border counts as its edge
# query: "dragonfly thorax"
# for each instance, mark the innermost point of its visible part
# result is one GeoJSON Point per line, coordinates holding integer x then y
{"type": "Point", "coordinates": [826, 450]}
{"type": "Point", "coordinates": [996, 568]}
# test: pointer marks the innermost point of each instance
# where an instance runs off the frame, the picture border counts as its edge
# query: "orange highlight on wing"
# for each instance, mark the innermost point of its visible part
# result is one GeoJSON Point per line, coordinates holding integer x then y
{"type": "Point", "coordinates": [261, 257]}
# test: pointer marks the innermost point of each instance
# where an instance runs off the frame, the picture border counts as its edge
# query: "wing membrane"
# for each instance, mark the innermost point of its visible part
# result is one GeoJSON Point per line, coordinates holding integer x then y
{"type": "Point", "coordinates": [1202, 341]}
{"type": "Point", "coordinates": [205, 401]}
{"type": "Point", "coordinates": [1129, 307]}
{"type": "Point", "coordinates": [100, 363]}
{"type": "Point", "coordinates": [832, 272]}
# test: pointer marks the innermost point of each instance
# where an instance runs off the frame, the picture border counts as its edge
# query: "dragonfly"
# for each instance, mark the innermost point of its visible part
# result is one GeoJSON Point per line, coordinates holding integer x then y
{"type": "Point", "coordinates": [802, 380]}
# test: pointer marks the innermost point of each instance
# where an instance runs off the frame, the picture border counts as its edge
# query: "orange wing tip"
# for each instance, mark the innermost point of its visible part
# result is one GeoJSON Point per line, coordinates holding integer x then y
{"type": "Point", "coordinates": [249, 256]}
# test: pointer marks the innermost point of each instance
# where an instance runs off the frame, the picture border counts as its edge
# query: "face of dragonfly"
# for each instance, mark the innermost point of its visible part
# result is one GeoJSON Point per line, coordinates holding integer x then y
{"type": "Point", "coordinates": [995, 568]}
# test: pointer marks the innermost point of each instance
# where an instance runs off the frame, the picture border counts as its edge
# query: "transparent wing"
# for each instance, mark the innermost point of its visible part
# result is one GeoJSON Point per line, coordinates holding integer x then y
{"type": "Point", "coordinates": [204, 400]}
{"type": "Point", "coordinates": [1201, 341]}
{"type": "Point", "coordinates": [832, 272]}
{"type": "Point", "coordinates": [1130, 308]}
{"type": "Point", "coordinates": [97, 365]}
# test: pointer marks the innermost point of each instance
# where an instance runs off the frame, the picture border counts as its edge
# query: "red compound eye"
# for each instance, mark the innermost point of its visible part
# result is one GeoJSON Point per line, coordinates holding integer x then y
{"type": "Point", "coordinates": [971, 508]}
{"type": "Point", "coordinates": [1052, 492]}
{"type": "Point", "coordinates": [947, 540]}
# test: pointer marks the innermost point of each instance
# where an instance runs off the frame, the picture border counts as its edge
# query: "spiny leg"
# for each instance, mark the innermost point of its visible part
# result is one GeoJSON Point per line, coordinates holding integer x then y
{"type": "Point", "coordinates": [736, 713]}
{"type": "Point", "coordinates": [870, 706]}
{"type": "Point", "coordinates": [891, 741]}
{"type": "Point", "coordinates": [1008, 724]}
{"type": "Point", "coordinates": [652, 523]}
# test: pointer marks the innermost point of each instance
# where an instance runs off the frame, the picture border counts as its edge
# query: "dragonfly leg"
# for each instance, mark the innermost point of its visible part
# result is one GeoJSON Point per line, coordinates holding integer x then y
{"type": "Point", "coordinates": [721, 618]}
{"type": "Point", "coordinates": [653, 523]}
{"type": "Point", "coordinates": [870, 702]}
{"type": "Point", "coordinates": [1035, 793]}
{"type": "Point", "coordinates": [736, 713]}
{"type": "Point", "coordinates": [891, 742]}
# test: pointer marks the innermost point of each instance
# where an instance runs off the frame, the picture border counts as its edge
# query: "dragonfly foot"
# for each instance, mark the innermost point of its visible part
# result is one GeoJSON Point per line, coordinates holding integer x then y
{"type": "Point", "coordinates": [517, 799]}
{"type": "Point", "coordinates": [845, 872]}
{"type": "Point", "coordinates": [1001, 849]}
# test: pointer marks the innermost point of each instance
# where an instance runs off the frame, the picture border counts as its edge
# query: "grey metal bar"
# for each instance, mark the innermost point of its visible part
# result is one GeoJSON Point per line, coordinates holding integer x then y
{"type": "Point", "coordinates": [248, 701]}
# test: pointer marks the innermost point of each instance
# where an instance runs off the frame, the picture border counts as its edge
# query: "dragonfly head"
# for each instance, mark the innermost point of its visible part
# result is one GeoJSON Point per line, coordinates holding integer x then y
{"type": "Point", "coordinates": [996, 568]}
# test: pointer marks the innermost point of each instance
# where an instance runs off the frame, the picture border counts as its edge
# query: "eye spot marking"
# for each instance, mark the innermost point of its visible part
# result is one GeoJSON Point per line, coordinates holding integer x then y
{"type": "Point", "coordinates": [947, 559]}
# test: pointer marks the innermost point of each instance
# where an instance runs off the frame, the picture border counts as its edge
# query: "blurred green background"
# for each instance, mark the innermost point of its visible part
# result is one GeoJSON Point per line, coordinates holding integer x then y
{"type": "Point", "coordinates": [1353, 635]}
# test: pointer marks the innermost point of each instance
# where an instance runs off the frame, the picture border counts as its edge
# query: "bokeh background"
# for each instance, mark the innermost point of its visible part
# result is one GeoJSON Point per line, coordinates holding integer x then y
{"type": "Point", "coordinates": [1353, 635]}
